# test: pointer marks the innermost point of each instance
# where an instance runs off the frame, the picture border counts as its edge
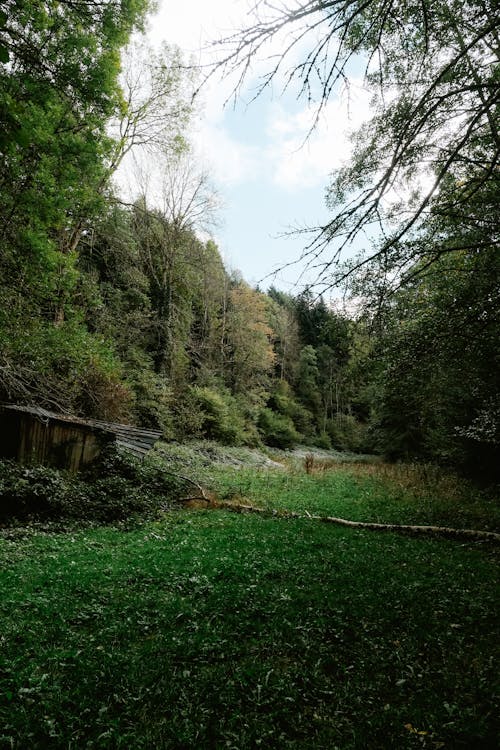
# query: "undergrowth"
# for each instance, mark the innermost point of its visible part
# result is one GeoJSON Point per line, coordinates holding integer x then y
{"type": "Point", "coordinates": [210, 630]}
{"type": "Point", "coordinates": [117, 487]}
{"type": "Point", "coordinates": [206, 629]}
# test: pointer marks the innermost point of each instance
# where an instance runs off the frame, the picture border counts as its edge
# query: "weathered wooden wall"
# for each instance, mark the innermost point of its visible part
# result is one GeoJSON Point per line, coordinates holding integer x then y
{"type": "Point", "coordinates": [32, 439]}
{"type": "Point", "coordinates": [34, 435]}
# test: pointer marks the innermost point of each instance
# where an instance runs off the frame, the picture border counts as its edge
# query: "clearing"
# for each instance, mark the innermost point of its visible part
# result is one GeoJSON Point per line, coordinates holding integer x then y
{"type": "Point", "coordinates": [207, 629]}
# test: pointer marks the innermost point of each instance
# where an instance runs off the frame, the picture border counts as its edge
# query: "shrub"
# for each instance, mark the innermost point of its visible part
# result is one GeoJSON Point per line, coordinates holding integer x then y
{"type": "Point", "coordinates": [116, 488]}
{"type": "Point", "coordinates": [277, 430]}
{"type": "Point", "coordinates": [36, 491]}
{"type": "Point", "coordinates": [102, 394]}
{"type": "Point", "coordinates": [64, 365]}
{"type": "Point", "coordinates": [221, 418]}
{"type": "Point", "coordinates": [154, 399]}
{"type": "Point", "coordinates": [283, 402]}
{"type": "Point", "coordinates": [347, 434]}
{"type": "Point", "coordinates": [323, 441]}
{"type": "Point", "coordinates": [187, 419]}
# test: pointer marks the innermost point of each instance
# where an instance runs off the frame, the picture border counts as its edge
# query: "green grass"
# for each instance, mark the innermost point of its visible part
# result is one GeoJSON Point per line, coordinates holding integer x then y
{"type": "Point", "coordinates": [364, 492]}
{"type": "Point", "coordinates": [208, 629]}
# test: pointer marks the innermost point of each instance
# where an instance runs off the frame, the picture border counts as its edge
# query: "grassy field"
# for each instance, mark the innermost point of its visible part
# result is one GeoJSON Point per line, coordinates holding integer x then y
{"type": "Point", "coordinates": [376, 492]}
{"type": "Point", "coordinates": [208, 629]}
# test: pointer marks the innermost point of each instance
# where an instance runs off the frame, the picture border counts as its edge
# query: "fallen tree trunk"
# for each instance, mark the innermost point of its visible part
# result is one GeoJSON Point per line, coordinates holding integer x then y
{"type": "Point", "coordinates": [468, 534]}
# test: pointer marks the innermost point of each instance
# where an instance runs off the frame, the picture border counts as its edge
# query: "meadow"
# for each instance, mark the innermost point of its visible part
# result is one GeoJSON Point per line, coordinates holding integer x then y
{"type": "Point", "coordinates": [210, 629]}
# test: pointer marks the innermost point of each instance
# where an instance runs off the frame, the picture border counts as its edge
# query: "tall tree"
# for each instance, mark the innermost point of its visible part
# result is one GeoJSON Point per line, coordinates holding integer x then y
{"type": "Point", "coordinates": [249, 352]}
{"type": "Point", "coordinates": [59, 67]}
{"type": "Point", "coordinates": [285, 336]}
{"type": "Point", "coordinates": [207, 335]}
{"type": "Point", "coordinates": [157, 102]}
{"type": "Point", "coordinates": [58, 91]}
{"type": "Point", "coordinates": [172, 253]}
{"type": "Point", "coordinates": [437, 393]}
{"type": "Point", "coordinates": [433, 70]}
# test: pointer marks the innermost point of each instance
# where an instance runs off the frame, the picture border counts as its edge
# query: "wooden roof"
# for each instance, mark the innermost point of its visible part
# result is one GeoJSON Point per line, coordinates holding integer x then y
{"type": "Point", "coordinates": [133, 439]}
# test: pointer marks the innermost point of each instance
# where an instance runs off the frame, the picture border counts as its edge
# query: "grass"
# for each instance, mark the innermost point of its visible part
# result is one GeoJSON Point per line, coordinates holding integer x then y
{"type": "Point", "coordinates": [208, 629]}
{"type": "Point", "coordinates": [377, 492]}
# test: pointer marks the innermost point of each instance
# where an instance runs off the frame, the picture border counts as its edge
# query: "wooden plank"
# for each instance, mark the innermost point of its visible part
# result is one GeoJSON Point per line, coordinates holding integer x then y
{"type": "Point", "coordinates": [61, 439]}
{"type": "Point", "coordinates": [134, 441]}
{"type": "Point", "coordinates": [140, 452]}
{"type": "Point", "coordinates": [135, 435]}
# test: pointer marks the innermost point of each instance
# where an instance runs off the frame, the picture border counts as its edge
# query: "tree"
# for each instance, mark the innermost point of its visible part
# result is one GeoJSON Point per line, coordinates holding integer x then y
{"type": "Point", "coordinates": [58, 90]}
{"type": "Point", "coordinates": [285, 336]}
{"type": "Point", "coordinates": [308, 373]}
{"type": "Point", "coordinates": [433, 70]}
{"type": "Point", "coordinates": [421, 191]}
{"type": "Point", "coordinates": [59, 67]}
{"type": "Point", "coordinates": [249, 353]}
{"type": "Point", "coordinates": [436, 393]}
{"type": "Point", "coordinates": [207, 334]}
{"type": "Point", "coordinates": [57, 93]}
{"type": "Point", "coordinates": [172, 254]}
{"type": "Point", "coordinates": [113, 288]}
{"type": "Point", "coordinates": [157, 103]}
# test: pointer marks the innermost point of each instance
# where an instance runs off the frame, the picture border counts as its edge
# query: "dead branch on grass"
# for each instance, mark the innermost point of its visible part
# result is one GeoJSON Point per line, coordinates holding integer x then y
{"type": "Point", "coordinates": [445, 531]}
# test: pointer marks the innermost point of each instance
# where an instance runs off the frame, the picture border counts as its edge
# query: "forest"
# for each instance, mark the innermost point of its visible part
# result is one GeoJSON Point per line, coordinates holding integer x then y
{"type": "Point", "coordinates": [308, 558]}
{"type": "Point", "coordinates": [124, 310]}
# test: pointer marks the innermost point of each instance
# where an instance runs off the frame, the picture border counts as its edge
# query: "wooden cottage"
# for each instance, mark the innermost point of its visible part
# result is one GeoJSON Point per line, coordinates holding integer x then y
{"type": "Point", "coordinates": [31, 434]}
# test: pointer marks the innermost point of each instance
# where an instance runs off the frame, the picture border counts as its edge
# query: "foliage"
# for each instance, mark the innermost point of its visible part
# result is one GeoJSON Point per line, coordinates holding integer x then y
{"type": "Point", "coordinates": [156, 106]}
{"type": "Point", "coordinates": [116, 488]}
{"type": "Point", "coordinates": [220, 416]}
{"type": "Point", "coordinates": [124, 310]}
{"type": "Point", "coordinates": [58, 90]}
{"type": "Point", "coordinates": [347, 433]}
{"type": "Point", "coordinates": [421, 190]}
{"type": "Point", "coordinates": [63, 367]}
{"type": "Point", "coordinates": [250, 357]}
{"type": "Point", "coordinates": [119, 310]}
{"type": "Point", "coordinates": [153, 399]}
{"type": "Point", "coordinates": [277, 430]}
{"type": "Point", "coordinates": [203, 351]}
{"type": "Point", "coordinates": [223, 630]}
{"type": "Point", "coordinates": [438, 386]}
{"type": "Point", "coordinates": [283, 401]}
{"type": "Point", "coordinates": [57, 93]}
{"type": "Point", "coordinates": [433, 74]}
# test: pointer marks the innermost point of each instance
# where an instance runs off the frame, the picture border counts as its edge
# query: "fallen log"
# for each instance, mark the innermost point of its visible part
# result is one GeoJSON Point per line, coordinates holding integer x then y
{"type": "Point", "coordinates": [468, 534]}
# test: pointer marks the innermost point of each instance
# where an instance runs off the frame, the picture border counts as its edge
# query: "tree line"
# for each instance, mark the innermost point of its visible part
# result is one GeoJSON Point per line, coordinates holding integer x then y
{"type": "Point", "coordinates": [123, 310]}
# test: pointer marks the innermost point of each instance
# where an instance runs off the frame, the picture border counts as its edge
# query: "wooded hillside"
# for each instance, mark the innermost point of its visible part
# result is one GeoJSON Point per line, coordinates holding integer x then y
{"type": "Point", "coordinates": [124, 310]}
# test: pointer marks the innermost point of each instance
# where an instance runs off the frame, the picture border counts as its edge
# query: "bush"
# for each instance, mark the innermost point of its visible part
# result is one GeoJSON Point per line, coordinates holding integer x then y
{"type": "Point", "coordinates": [115, 488]}
{"type": "Point", "coordinates": [102, 394]}
{"type": "Point", "coordinates": [35, 491]}
{"type": "Point", "coordinates": [154, 399]}
{"type": "Point", "coordinates": [187, 419]}
{"type": "Point", "coordinates": [283, 402]}
{"type": "Point", "coordinates": [64, 365]}
{"type": "Point", "coordinates": [221, 418]}
{"type": "Point", "coordinates": [323, 441]}
{"type": "Point", "coordinates": [347, 434]}
{"type": "Point", "coordinates": [277, 430]}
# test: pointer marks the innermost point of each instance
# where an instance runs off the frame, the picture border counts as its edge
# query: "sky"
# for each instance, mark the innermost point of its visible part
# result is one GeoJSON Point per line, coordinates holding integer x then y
{"type": "Point", "coordinates": [270, 177]}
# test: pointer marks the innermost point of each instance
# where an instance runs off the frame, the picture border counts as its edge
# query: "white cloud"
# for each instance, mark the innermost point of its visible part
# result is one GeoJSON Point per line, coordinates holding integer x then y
{"type": "Point", "coordinates": [280, 153]}
{"type": "Point", "coordinates": [193, 24]}
{"type": "Point", "coordinates": [302, 161]}
{"type": "Point", "coordinates": [229, 160]}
